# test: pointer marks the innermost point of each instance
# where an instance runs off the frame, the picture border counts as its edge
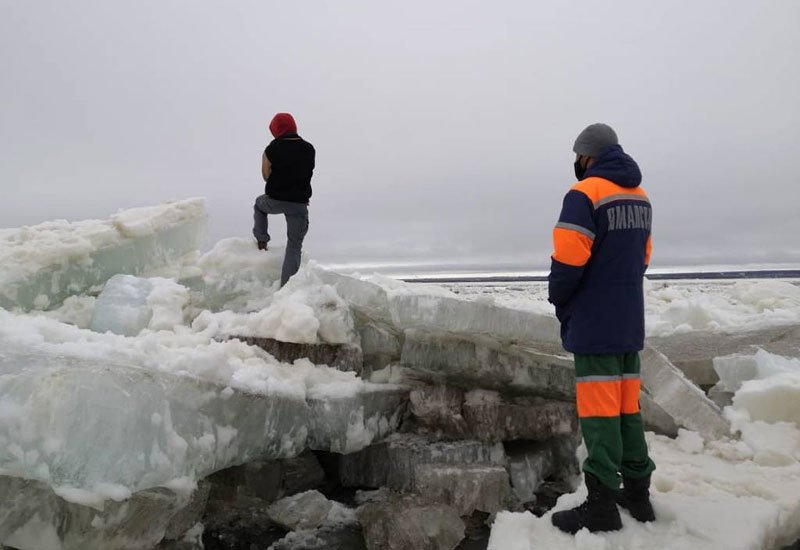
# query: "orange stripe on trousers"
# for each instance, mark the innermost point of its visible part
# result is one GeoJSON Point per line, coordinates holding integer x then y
{"type": "Point", "coordinates": [599, 398]}
{"type": "Point", "coordinates": [630, 395]}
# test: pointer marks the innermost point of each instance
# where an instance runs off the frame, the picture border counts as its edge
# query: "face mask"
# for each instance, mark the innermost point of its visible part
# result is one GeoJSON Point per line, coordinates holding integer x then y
{"type": "Point", "coordinates": [580, 170]}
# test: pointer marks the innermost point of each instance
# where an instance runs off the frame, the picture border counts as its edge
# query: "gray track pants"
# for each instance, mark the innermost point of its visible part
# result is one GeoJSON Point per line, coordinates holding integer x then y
{"type": "Point", "coordinates": [296, 229]}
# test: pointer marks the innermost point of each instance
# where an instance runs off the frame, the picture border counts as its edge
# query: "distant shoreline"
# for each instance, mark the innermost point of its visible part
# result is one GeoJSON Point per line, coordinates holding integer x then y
{"type": "Point", "coordinates": [676, 276]}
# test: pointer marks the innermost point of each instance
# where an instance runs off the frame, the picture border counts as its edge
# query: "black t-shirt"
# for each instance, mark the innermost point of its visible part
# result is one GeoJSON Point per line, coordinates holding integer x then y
{"type": "Point", "coordinates": [292, 165]}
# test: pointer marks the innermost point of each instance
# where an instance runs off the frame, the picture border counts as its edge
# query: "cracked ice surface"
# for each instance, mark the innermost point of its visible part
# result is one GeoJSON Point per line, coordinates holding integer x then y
{"type": "Point", "coordinates": [34, 517]}
{"type": "Point", "coordinates": [103, 416]}
{"type": "Point", "coordinates": [680, 398]}
{"type": "Point", "coordinates": [42, 265]}
{"type": "Point", "coordinates": [349, 424]}
{"type": "Point", "coordinates": [427, 307]}
{"type": "Point", "coordinates": [481, 362]}
{"type": "Point", "coordinates": [113, 430]}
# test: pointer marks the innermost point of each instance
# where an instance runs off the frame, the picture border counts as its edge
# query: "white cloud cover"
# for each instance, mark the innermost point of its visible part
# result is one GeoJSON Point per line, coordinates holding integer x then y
{"type": "Point", "coordinates": [443, 130]}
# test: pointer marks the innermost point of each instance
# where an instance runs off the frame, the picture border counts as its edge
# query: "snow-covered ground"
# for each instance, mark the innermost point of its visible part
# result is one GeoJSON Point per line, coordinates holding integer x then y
{"type": "Point", "coordinates": [706, 497]}
{"type": "Point", "coordinates": [740, 494]}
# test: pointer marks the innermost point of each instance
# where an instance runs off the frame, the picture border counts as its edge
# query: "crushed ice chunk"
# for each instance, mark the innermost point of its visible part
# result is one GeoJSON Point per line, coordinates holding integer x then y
{"type": "Point", "coordinates": [122, 306]}
{"type": "Point", "coordinates": [305, 311]}
{"type": "Point", "coordinates": [689, 441]}
{"type": "Point", "coordinates": [131, 304]}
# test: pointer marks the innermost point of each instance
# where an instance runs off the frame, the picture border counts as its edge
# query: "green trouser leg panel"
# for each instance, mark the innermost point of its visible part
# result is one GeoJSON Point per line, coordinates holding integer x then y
{"type": "Point", "coordinates": [604, 447]}
{"type": "Point", "coordinates": [615, 444]}
{"type": "Point", "coordinates": [636, 462]}
{"type": "Point", "coordinates": [598, 365]}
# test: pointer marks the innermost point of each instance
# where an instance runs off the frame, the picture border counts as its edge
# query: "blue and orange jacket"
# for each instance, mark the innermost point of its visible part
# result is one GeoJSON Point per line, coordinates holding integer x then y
{"type": "Point", "coordinates": [602, 248]}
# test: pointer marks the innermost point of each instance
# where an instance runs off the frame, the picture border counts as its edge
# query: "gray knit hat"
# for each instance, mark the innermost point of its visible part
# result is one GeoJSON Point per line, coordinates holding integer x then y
{"type": "Point", "coordinates": [594, 139]}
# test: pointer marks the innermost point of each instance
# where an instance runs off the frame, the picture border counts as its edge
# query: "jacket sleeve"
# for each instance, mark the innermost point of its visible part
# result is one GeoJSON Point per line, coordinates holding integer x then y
{"type": "Point", "coordinates": [573, 238]}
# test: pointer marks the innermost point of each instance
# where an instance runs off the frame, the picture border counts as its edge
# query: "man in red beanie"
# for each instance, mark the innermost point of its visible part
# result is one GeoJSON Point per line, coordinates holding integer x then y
{"type": "Point", "coordinates": [287, 166]}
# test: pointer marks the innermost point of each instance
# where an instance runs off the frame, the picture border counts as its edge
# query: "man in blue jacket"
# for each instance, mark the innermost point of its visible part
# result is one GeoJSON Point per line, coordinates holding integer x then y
{"type": "Point", "coordinates": [602, 248]}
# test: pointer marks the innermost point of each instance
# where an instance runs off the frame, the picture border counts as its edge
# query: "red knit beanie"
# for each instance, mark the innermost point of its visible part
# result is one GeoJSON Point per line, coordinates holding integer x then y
{"type": "Point", "coordinates": [282, 123]}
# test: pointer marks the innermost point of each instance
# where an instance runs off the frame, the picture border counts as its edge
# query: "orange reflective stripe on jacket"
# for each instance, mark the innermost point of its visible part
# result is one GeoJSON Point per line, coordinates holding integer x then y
{"type": "Point", "coordinates": [572, 246]}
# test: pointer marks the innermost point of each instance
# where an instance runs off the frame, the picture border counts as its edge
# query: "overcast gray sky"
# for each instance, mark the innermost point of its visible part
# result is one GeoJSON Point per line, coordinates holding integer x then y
{"type": "Point", "coordinates": [443, 129]}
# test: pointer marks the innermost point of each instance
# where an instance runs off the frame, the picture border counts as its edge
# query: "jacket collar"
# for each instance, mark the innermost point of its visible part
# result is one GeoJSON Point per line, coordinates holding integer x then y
{"type": "Point", "coordinates": [616, 165]}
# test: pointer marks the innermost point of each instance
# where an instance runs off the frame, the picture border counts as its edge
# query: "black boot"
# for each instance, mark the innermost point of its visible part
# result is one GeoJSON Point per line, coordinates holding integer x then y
{"type": "Point", "coordinates": [635, 498]}
{"type": "Point", "coordinates": [262, 245]}
{"type": "Point", "coordinates": [598, 513]}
